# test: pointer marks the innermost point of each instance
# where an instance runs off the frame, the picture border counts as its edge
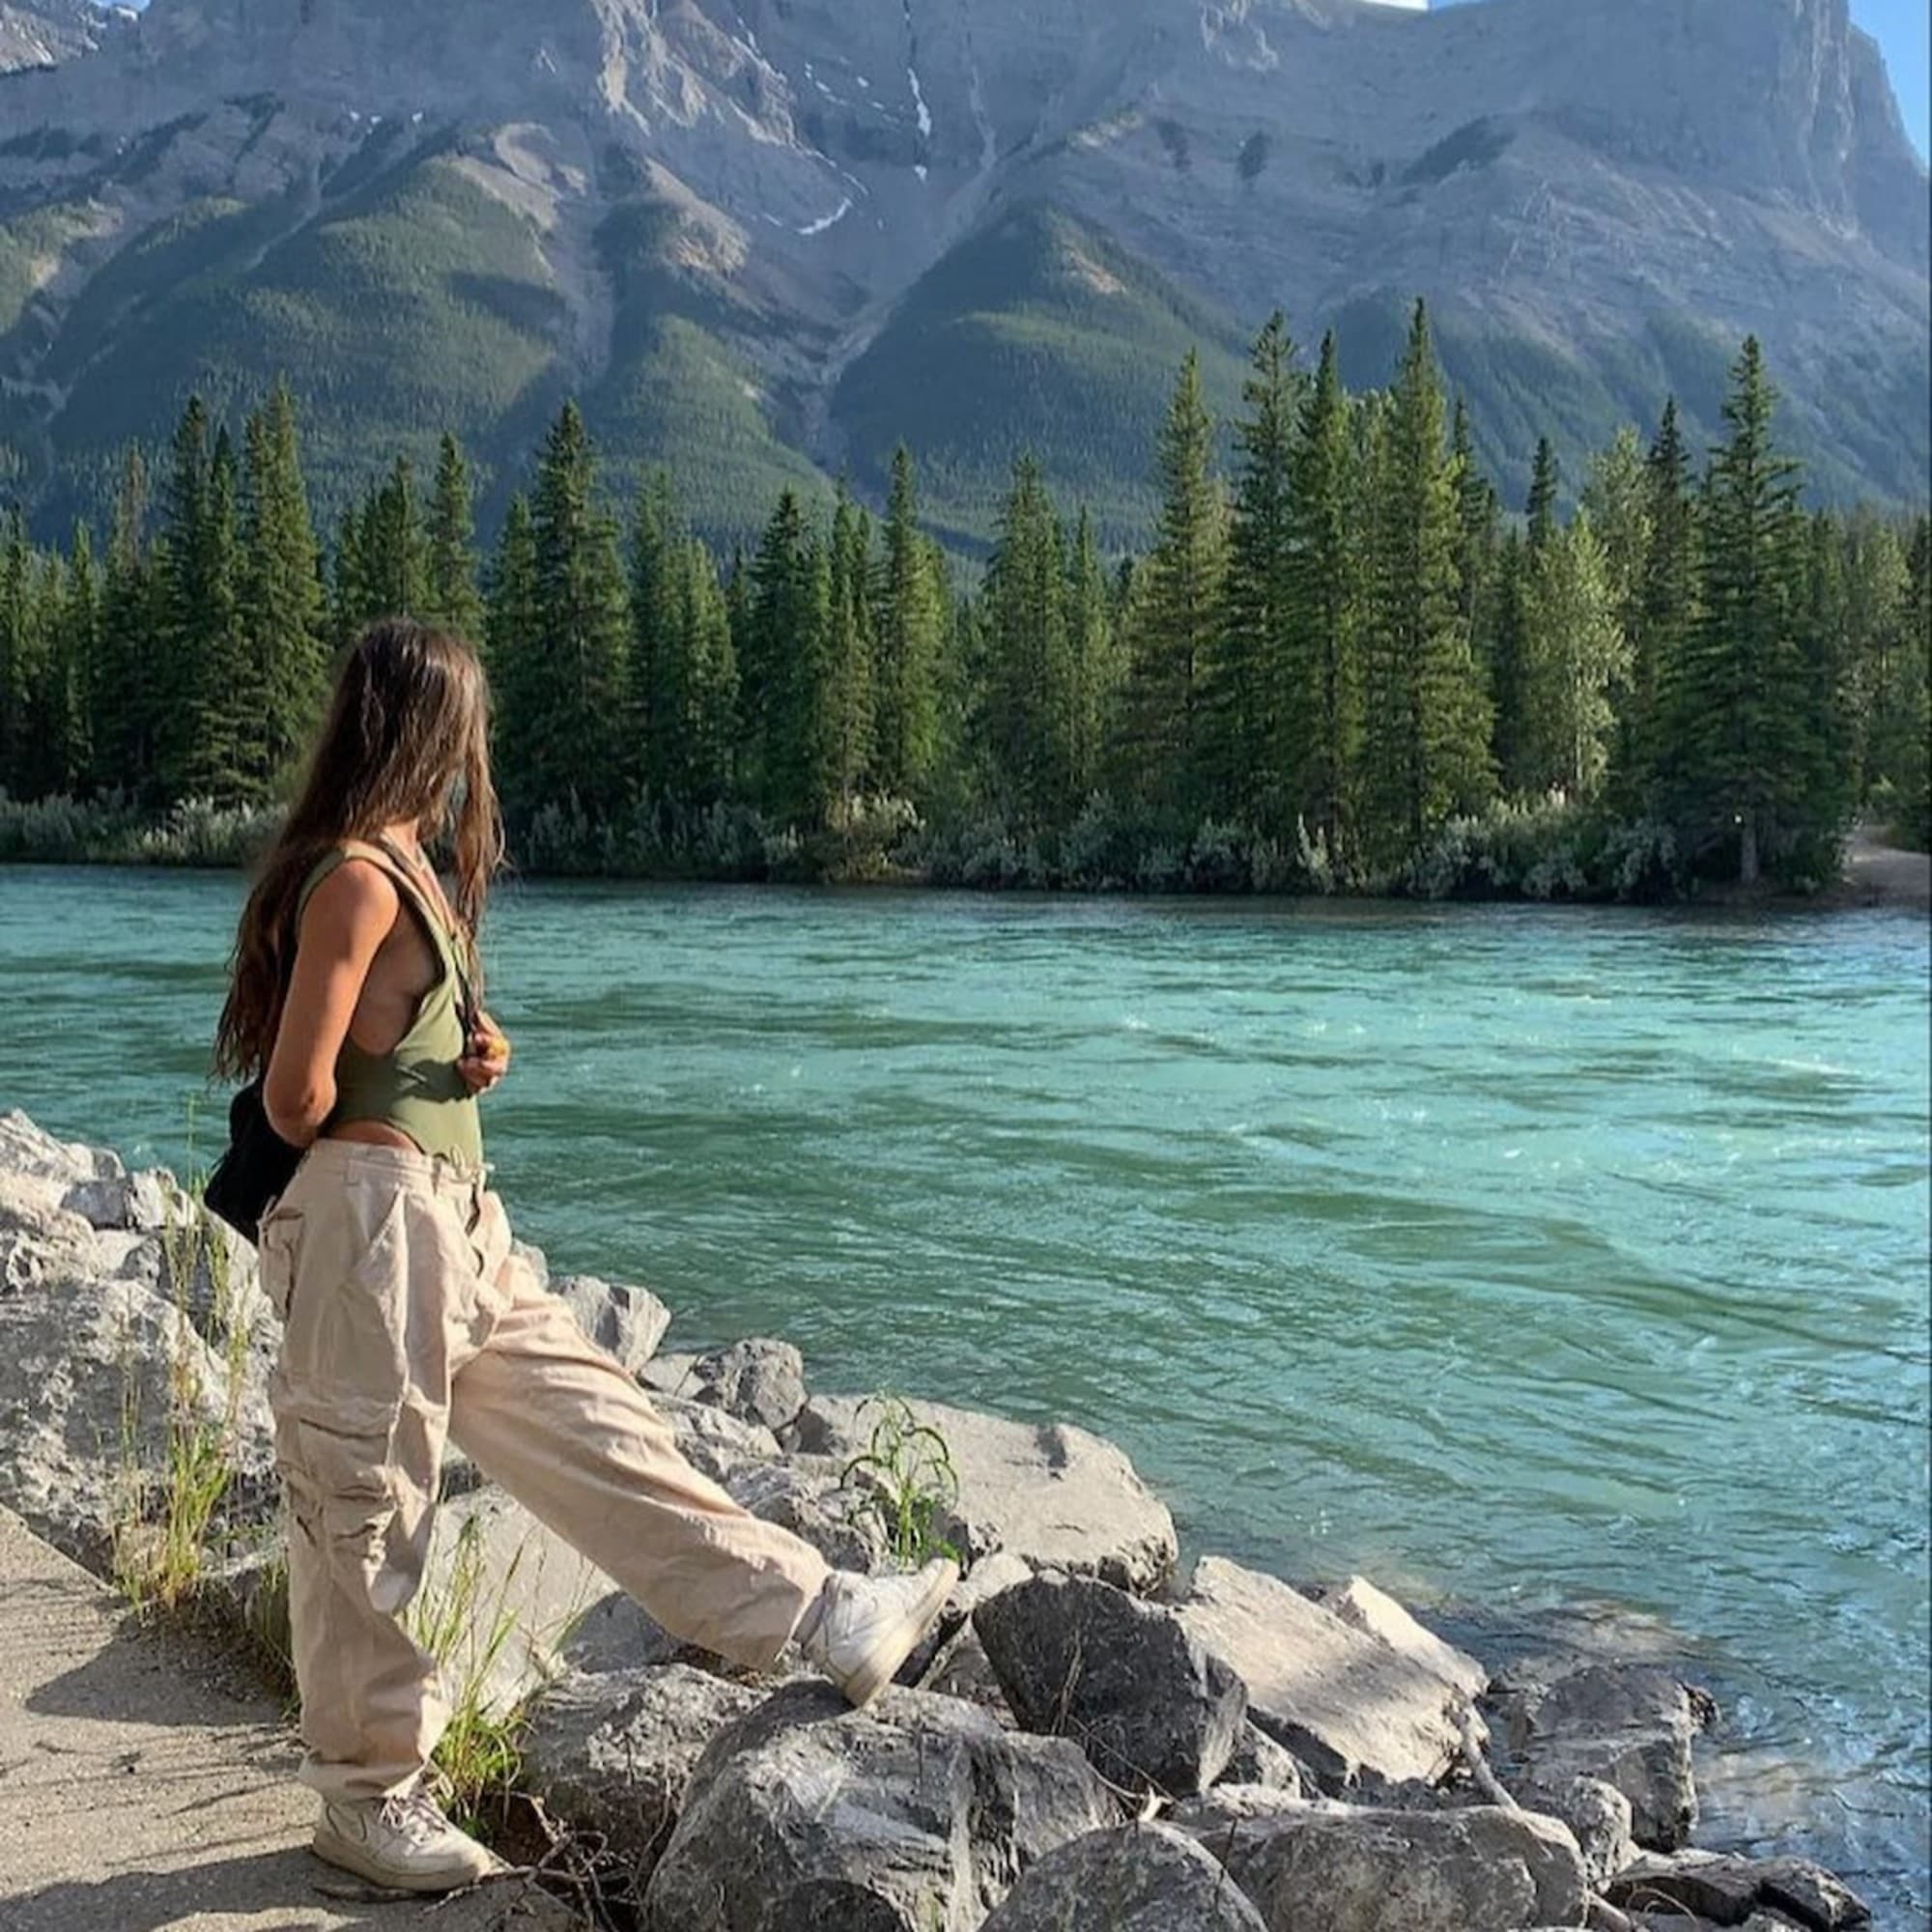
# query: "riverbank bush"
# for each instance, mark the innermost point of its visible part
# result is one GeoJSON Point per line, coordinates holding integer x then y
{"type": "Point", "coordinates": [114, 830]}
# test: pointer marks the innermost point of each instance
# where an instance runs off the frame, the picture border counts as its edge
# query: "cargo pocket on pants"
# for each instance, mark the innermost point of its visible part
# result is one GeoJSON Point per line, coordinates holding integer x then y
{"type": "Point", "coordinates": [275, 1258]}
{"type": "Point", "coordinates": [346, 1495]}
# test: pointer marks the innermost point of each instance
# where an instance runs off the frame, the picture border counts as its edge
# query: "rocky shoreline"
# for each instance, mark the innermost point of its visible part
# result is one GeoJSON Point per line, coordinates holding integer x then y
{"type": "Point", "coordinates": [1095, 1741]}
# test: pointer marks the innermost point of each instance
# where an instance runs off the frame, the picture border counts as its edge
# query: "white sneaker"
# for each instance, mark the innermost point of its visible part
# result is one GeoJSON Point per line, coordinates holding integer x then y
{"type": "Point", "coordinates": [403, 1842]}
{"type": "Point", "coordinates": [862, 1628]}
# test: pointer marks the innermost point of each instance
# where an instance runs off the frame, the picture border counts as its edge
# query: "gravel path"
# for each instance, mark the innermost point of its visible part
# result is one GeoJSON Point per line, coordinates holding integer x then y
{"type": "Point", "coordinates": [140, 1793]}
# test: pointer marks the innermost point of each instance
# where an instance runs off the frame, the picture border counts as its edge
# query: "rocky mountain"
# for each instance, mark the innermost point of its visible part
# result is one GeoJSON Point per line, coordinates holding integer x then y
{"type": "Point", "coordinates": [38, 33]}
{"type": "Point", "coordinates": [765, 241]}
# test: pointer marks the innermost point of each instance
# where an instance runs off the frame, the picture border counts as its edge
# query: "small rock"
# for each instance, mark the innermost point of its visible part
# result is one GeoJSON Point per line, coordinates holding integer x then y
{"type": "Point", "coordinates": [1599, 1815]}
{"type": "Point", "coordinates": [757, 1380]}
{"type": "Point", "coordinates": [1150, 1706]}
{"type": "Point", "coordinates": [1136, 1879]}
{"type": "Point", "coordinates": [1629, 1725]}
{"type": "Point", "coordinates": [668, 1375]}
{"type": "Point", "coordinates": [615, 1755]}
{"type": "Point", "coordinates": [1260, 1761]}
{"type": "Point", "coordinates": [626, 1323]}
{"type": "Point", "coordinates": [1345, 1704]}
{"type": "Point", "coordinates": [1728, 1889]}
{"type": "Point", "coordinates": [916, 1814]}
{"type": "Point", "coordinates": [1342, 1869]}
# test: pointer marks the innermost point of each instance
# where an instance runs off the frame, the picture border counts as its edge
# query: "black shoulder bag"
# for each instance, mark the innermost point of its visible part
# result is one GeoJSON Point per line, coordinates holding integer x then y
{"type": "Point", "coordinates": [258, 1165]}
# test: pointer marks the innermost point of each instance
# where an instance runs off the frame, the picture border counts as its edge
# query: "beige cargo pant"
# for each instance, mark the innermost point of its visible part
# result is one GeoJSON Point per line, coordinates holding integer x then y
{"type": "Point", "coordinates": [407, 1319]}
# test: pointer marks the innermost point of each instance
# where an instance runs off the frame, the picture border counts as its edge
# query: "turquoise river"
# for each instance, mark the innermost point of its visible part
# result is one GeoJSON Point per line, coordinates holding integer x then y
{"type": "Point", "coordinates": [1517, 1258]}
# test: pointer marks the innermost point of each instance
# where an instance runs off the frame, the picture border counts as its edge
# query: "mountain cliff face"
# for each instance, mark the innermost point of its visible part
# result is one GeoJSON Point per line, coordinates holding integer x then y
{"type": "Point", "coordinates": [784, 233]}
{"type": "Point", "coordinates": [38, 33]}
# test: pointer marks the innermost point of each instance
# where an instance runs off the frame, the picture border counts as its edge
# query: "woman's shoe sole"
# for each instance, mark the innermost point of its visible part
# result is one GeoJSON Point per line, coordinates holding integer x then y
{"type": "Point", "coordinates": [866, 1689]}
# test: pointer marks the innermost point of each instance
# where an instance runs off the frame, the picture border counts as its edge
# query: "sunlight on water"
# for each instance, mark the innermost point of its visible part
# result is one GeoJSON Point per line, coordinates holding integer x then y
{"type": "Point", "coordinates": [1514, 1257]}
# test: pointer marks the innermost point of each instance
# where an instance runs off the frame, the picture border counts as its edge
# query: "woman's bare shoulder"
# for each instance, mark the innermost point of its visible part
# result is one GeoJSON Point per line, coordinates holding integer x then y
{"type": "Point", "coordinates": [357, 895]}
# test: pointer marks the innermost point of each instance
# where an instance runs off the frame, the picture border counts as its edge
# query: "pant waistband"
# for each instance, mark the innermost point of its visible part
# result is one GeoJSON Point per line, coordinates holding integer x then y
{"type": "Point", "coordinates": [400, 1166]}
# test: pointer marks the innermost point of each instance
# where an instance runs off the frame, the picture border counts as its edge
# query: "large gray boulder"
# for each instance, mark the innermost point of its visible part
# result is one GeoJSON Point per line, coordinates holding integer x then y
{"type": "Point", "coordinates": [758, 1381]}
{"type": "Point", "coordinates": [1342, 1869]}
{"type": "Point", "coordinates": [100, 1371]}
{"type": "Point", "coordinates": [1144, 1878]}
{"type": "Point", "coordinates": [915, 1816]}
{"type": "Point", "coordinates": [615, 1755]}
{"type": "Point", "coordinates": [1053, 1495]}
{"type": "Point", "coordinates": [1153, 1708]}
{"type": "Point", "coordinates": [1628, 1725]}
{"type": "Point", "coordinates": [714, 1441]}
{"type": "Point", "coordinates": [626, 1323]}
{"type": "Point", "coordinates": [1728, 1890]}
{"type": "Point", "coordinates": [1349, 1706]}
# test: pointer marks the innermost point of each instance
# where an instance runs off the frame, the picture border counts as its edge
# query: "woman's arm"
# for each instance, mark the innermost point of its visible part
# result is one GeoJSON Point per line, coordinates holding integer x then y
{"type": "Point", "coordinates": [347, 918]}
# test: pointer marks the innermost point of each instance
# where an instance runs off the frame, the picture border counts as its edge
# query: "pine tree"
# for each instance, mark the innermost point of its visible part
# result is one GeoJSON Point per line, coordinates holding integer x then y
{"type": "Point", "coordinates": [1318, 748]}
{"type": "Point", "coordinates": [911, 631]}
{"type": "Point", "coordinates": [512, 651]}
{"type": "Point", "coordinates": [1028, 701]}
{"type": "Point", "coordinates": [1664, 611]}
{"type": "Point", "coordinates": [350, 604]}
{"type": "Point", "coordinates": [1255, 705]}
{"type": "Point", "coordinates": [18, 654]}
{"type": "Point", "coordinates": [1579, 659]}
{"type": "Point", "coordinates": [394, 548]}
{"type": "Point", "coordinates": [785, 673]}
{"type": "Point", "coordinates": [575, 707]}
{"type": "Point", "coordinates": [1176, 640]}
{"type": "Point", "coordinates": [656, 709]}
{"type": "Point", "coordinates": [1429, 724]}
{"type": "Point", "coordinates": [1479, 545]}
{"type": "Point", "coordinates": [451, 600]}
{"type": "Point", "coordinates": [1092, 668]}
{"type": "Point", "coordinates": [78, 643]}
{"type": "Point", "coordinates": [849, 646]}
{"type": "Point", "coordinates": [282, 600]}
{"type": "Point", "coordinates": [125, 703]}
{"type": "Point", "coordinates": [1545, 481]}
{"type": "Point", "coordinates": [1739, 739]}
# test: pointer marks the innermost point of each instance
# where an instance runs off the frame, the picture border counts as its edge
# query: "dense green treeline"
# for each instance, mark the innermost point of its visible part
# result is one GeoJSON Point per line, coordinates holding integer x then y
{"type": "Point", "coordinates": [1343, 667]}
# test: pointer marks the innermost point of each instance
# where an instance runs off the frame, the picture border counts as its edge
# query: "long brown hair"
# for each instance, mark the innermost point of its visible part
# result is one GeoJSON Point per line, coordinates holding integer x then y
{"type": "Point", "coordinates": [406, 741]}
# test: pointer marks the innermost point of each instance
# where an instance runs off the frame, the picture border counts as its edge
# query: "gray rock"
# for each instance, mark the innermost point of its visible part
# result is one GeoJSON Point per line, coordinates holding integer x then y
{"type": "Point", "coordinates": [668, 1375]}
{"type": "Point", "coordinates": [615, 1755]}
{"type": "Point", "coordinates": [1345, 1703]}
{"type": "Point", "coordinates": [1260, 1761]}
{"type": "Point", "coordinates": [757, 1380]}
{"type": "Point", "coordinates": [1730, 1891]}
{"type": "Point", "coordinates": [1152, 1707]}
{"type": "Point", "coordinates": [1599, 1815]}
{"type": "Point", "coordinates": [717, 1443]}
{"type": "Point", "coordinates": [1340, 1868]}
{"type": "Point", "coordinates": [96, 1367]}
{"type": "Point", "coordinates": [1361, 1605]}
{"type": "Point", "coordinates": [1056, 1496]}
{"type": "Point", "coordinates": [1215, 1813]}
{"type": "Point", "coordinates": [626, 1323]}
{"type": "Point", "coordinates": [915, 1816]}
{"type": "Point", "coordinates": [1002, 1571]}
{"type": "Point", "coordinates": [1630, 1726]}
{"type": "Point", "coordinates": [805, 1496]}
{"type": "Point", "coordinates": [1138, 1879]}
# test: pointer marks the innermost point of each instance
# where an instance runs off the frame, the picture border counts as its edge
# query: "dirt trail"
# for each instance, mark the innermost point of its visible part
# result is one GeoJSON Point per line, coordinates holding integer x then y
{"type": "Point", "coordinates": [139, 1793]}
{"type": "Point", "coordinates": [1877, 874]}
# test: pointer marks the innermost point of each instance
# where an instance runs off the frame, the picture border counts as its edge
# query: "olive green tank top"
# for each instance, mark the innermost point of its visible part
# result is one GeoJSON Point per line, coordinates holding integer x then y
{"type": "Point", "coordinates": [415, 1089]}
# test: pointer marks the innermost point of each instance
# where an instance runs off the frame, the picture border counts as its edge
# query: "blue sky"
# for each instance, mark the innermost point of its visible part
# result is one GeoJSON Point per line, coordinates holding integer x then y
{"type": "Point", "coordinates": [1899, 26]}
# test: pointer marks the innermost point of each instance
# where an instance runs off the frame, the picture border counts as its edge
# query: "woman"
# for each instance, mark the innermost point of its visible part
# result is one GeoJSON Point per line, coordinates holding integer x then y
{"type": "Point", "coordinates": [408, 1319]}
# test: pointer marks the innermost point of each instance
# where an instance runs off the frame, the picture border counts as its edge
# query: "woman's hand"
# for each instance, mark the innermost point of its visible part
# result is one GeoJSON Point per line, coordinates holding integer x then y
{"type": "Point", "coordinates": [488, 1058]}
